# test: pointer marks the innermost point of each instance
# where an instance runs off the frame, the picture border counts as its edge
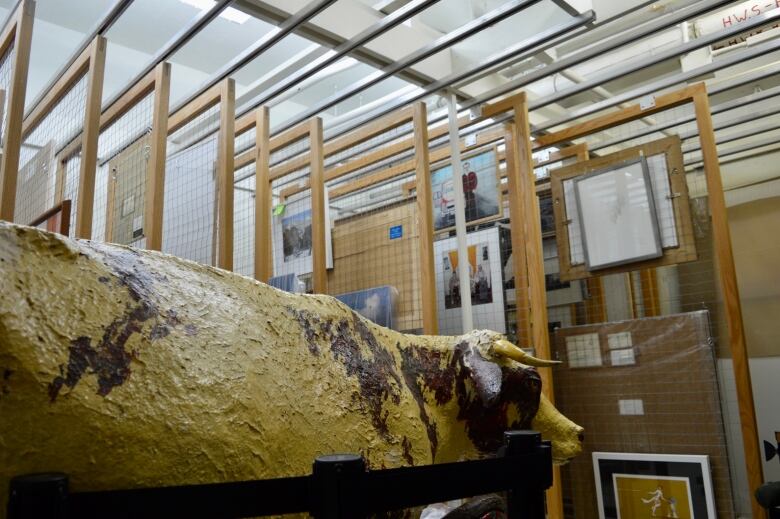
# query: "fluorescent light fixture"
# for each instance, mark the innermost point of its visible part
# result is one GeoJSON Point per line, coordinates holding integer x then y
{"type": "Point", "coordinates": [230, 13]}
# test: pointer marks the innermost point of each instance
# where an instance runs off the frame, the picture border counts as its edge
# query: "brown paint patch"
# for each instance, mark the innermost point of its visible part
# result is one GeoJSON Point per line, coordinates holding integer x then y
{"type": "Point", "coordinates": [376, 374]}
{"type": "Point", "coordinates": [308, 323]}
{"type": "Point", "coordinates": [406, 444]}
{"type": "Point", "coordinates": [422, 368]}
{"type": "Point", "coordinates": [190, 330]}
{"type": "Point", "coordinates": [159, 331]}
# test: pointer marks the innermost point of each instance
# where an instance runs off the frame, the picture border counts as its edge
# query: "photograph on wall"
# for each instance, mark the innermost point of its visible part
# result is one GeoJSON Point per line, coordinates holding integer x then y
{"type": "Point", "coordinates": [547, 214]}
{"type": "Point", "coordinates": [487, 290]}
{"type": "Point", "coordinates": [480, 190]}
{"type": "Point", "coordinates": [479, 274]}
{"type": "Point", "coordinates": [375, 304]}
{"type": "Point", "coordinates": [672, 486]}
{"type": "Point", "coordinates": [296, 236]}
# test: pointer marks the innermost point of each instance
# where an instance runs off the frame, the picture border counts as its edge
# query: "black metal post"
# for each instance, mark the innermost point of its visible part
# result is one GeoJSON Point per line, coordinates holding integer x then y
{"type": "Point", "coordinates": [336, 487]}
{"type": "Point", "coordinates": [526, 501]}
{"type": "Point", "coordinates": [34, 496]}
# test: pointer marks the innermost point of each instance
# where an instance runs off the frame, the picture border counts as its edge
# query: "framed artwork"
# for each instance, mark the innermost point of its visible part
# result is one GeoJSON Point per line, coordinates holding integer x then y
{"type": "Point", "coordinates": [486, 280]}
{"type": "Point", "coordinates": [669, 191]}
{"type": "Point", "coordinates": [547, 215]}
{"type": "Point", "coordinates": [617, 217]}
{"type": "Point", "coordinates": [292, 238]}
{"type": "Point", "coordinates": [481, 190]}
{"type": "Point", "coordinates": [630, 485]}
{"type": "Point", "coordinates": [375, 304]}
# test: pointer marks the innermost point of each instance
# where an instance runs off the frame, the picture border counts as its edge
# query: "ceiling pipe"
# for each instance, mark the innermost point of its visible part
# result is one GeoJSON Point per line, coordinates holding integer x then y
{"type": "Point", "coordinates": [769, 141]}
{"type": "Point", "coordinates": [270, 39]}
{"type": "Point", "coordinates": [572, 60]}
{"type": "Point", "coordinates": [383, 25]}
{"type": "Point", "coordinates": [100, 27]}
{"type": "Point", "coordinates": [501, 13]}
{"type": "Point", "coordinates": [714, 109]}
{"type": "Point", "coordinates": [732, 59]}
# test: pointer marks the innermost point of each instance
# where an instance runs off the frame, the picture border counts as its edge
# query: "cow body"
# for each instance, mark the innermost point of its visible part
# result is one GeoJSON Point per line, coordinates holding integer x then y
{"type": "Point", "coordinates": [128, 368]}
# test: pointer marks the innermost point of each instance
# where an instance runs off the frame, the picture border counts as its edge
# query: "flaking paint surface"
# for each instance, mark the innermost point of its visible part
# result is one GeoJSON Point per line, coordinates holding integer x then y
{"type": "Point", "coordinates": [129, 368]}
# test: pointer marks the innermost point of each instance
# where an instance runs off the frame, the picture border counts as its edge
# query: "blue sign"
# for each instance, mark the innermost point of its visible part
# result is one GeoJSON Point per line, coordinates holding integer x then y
{"type": "Point", "coordinates": [396, 231]}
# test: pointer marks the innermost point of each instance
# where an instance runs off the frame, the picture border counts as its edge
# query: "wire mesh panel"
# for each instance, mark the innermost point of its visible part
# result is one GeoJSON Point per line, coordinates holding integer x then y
{"type": "Point", "coordinates": [38, 163]}
{"type": "Point", "coordinates": [189, 213]}
{"type": "Point", "coordinates": [120, 183]}
{"type": "Point", "coordinates": [6, 69]}
{"type": "Point", "coordinates": [376, 244]}
{"type": "Point", "coordinates": [647, 337]}
{"type": "Point", "coordinates": [244, 221]}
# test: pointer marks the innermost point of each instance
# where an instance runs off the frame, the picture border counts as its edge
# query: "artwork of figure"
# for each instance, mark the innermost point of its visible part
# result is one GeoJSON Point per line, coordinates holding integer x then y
{"type": "Point", "coordinates": [655, 500]}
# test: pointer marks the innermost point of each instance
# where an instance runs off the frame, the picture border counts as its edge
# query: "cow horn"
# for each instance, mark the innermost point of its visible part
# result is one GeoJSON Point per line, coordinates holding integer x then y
{"type": "Point", "coordinates": [507, 349]}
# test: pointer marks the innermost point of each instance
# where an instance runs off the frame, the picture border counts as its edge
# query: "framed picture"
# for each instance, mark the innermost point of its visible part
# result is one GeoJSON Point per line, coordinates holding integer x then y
{"type": "Point", "coordinates": [547, 215]}
{"type": "Point", "coordinates": [292, 238]}
{"type": "Point", "coordinates": [296, 236]}
{"type": "Point", "coordinates": [481, 191]}
{"type": "Point", "coordinates": [617, 215]}
{"type": "Point", "coordinates": [486, 280]}
{"type": "Point", "coordinates": [670, 196]}
{"type": "Point", "coordinates": [632, 485]}
{"type": "Point", "coordinates": [375, 304]}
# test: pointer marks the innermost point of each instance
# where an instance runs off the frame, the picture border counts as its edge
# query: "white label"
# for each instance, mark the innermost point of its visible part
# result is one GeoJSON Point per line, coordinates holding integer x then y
{"type": "Point", "coordinates": [622, 357]}
{"type": "Point", "coordinates": [631, 407]}
{"type": "Point", "coordinates": [619, 340]}
{"type": "Point", "coordinates": [544, 156]}
{"type": "Point", "coordinates": [647, 102]}
{"type": "Point", "coordinates": [583, 351]}
{"type": "Point", "coordinates": [471, 140]}
{"type": "Point", "coordinates": [475, 112]}
{"type": "Point", "coordinates": [138, 223]}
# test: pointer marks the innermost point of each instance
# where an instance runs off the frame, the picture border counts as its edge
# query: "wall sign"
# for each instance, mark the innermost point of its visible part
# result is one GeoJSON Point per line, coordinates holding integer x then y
{"type": "Point", "coordinates": [396, 231]}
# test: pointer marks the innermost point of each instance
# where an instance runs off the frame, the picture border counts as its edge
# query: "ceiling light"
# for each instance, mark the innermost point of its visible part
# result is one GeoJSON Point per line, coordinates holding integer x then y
{"type": "Point", "coordinates": [230, 13]}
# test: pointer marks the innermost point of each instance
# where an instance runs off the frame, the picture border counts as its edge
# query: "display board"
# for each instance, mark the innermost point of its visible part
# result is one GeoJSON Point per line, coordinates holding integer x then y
{"type": "Point", "coordinates": [481, 190]}
{"type": "Point", "coordinates": [641, 386]}
{"type": "Point", "coordinates": [292, 238]}
{"type": "Point", "coordinates": [487, 294]}
{"type": "Point", "coordinates": [669, 193]}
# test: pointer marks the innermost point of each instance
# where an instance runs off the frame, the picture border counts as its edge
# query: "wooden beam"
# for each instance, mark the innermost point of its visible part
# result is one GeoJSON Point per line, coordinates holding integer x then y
{"type": "Point", "coordinates": [194, 108]}
{"type": "Point", "coordinates": [91, 132]}
{"type": "Point", "coordinates": [225, 188]}
{"type": "Point", "coordinates": [422, 171]}
{"type": "Point", "coordinates": [648, 280]}
{"type": "Point", "coordinates": [610, 120]}
{"type": "Point", "coordinates": [19, 34]}
{"type": "Point", "coordinates": [155, 170]}
{"type": "Point", "coordinates": [535, 263]}
{"type": "Point", "coordinates": [264, 262]}
{"type": "Point", "coordinates": [517, 236]}
{"type": "Point", "coordinates": [246, 122]}
{"type": "Point", "coordinates": [318, 223]}
{"type": "Point", "coordinates": [108, 235]}
{"type": "Point", "coordinates": [733, 309]}
{"type": "Point", "coordinates": [368, 131]}
{"type": "Point", "coordinates": [290, 136]}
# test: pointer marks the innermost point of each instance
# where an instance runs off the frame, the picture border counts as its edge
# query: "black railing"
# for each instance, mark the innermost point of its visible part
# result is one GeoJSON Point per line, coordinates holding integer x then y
{"type": "Point", "coordinates": [339, 487]}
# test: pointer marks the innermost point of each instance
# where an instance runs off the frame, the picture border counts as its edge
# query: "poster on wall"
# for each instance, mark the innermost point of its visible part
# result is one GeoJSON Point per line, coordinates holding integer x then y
{"type": "Point", "coordinates": [481, 191]}
{"type": "Point", "coordinates": [376, 304]}
{"type": "Point", "coordinates": [632, 485]}
{"type": "Point", "coordinates": [479, 272]}
{"type": "Point", "coordinates": [487, 293]}
{"type": "Point", "coordinates": [292, 238]}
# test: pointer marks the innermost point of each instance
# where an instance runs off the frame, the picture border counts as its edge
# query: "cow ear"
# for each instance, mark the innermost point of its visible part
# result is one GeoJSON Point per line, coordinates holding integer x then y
{"type": "Point", "coordinates": [486, 376]}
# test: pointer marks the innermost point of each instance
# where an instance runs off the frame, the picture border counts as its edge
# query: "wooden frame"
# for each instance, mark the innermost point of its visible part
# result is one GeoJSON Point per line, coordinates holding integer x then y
{"type": "Point", "coordinates": [17, 33]}
{"type": "Point", "coordinates": [224, 95]}
{"type": "Point", "coordinates": [158, 82]}
{"type": "Point", "coordinates": [697, 94]}
{"type": "Point", "coordinates": [686, 249]}
{"type": "Point", "coordinates": [61, 225]}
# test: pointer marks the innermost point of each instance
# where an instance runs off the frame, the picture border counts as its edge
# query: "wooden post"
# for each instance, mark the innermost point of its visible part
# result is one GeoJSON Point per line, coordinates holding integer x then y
{"type": "Point", "coordinates": [91, 132]}
{"type": "Point", "coordinates": [425, 219]}
{"type": "Point", "coordinates": [535, 263]}
{"type": "Point", "coordinates": [649, 282]}
{"type": "Point", "coordinates": [225, 157]}
{"type": "Point", "coordinates": [12, 140]}
{"type": "Point", "coordinates": [517, 216]}
{"type": "Point", "coordinates": [155, 170]}
{"type": "Point", "coordinates": [264, 266]}
{"type": "Point", "coordinates": [317, 180]}
{"type": "Point", "coordinates": [728, 279]}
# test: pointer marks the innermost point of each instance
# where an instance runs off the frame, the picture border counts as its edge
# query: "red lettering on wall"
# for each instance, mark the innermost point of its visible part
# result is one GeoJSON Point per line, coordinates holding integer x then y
{"type": "Point", "coordinates": [727, 20]}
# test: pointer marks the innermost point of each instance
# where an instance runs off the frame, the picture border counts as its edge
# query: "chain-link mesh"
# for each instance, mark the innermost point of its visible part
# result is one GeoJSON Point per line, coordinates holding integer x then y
{"type": "Point", "coordinates": [189, 212]}
{"type": "Point", "coordinates": [39, 164]}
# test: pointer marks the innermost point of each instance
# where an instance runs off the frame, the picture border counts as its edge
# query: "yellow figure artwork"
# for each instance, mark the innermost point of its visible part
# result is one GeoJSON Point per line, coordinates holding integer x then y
{"type": "Point", "coordinates": [652, 496]}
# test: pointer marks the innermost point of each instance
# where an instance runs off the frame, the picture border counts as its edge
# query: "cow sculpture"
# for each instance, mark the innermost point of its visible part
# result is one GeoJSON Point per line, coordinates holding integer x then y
{"type": "Point", "coordinates": [127, 368]}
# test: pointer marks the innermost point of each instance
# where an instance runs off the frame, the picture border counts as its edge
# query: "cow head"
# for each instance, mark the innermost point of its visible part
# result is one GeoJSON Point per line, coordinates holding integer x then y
{"type": "Point", "coordinates": [485, 385]}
